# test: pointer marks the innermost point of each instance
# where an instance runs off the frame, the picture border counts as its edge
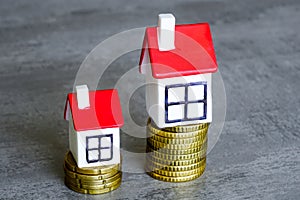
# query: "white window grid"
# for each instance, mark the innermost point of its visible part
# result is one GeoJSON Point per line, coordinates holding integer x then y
{"type": "Point", "coordinates": [99, 148]}
{"type": "Point", "coordinates": [185, 102]}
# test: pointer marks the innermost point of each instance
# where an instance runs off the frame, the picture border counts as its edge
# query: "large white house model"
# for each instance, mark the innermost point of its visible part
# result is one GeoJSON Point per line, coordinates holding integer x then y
{"type": "Point", "coordinates": [95, 118]}
{"type": "Point", "coordinates": [178, 62]}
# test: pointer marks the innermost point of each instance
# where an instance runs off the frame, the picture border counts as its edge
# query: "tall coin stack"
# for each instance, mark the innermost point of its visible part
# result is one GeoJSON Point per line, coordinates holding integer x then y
{"type": "Point", "coordinates": [176, 154]}
{"type": "Point", "coordinates": [91, 180]}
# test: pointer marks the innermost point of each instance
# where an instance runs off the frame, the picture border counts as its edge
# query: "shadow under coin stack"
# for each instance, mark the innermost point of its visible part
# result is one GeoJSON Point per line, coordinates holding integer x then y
{"type": "Point", "coordinates": [91, 180]}
{"type": "Point", "coordinates": [176, 154]}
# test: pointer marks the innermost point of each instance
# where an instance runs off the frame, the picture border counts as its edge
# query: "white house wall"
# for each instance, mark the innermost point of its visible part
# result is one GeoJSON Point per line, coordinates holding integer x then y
{"type": "Point", "coordinates": [183, 80]}
{"type": "Point", "coordinates": [152, 94]}
{"type": "Point", "coordinates": [77, 144]}
{"type": "Point", "coordinates": [72, 137]}
{"type": "Point", "coordinates": [155, 98]}
{"type": "Point", "coordinates": [81, 144]}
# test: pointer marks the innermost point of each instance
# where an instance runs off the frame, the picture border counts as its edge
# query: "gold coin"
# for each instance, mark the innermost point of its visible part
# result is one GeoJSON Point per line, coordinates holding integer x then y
{"type": "Point", "coordinates": [176, 179]}
{"type": "Point", "coordinates": [91, 191]}
{"type": "Point", "coordinates": [166, 154]}
{"type": "Point", "coordinates": [181, 129]}
{"type": "Point", "coordinates": [111, 184]}
{"type": "Point", "coordinates": [78, 185]}
{"type": "Point", "coordinates": [151, 165]}
{"type": "Point", "coordinates": [173, 157]}
{"type": "Point", "coordinates": [187, 128]}
{"type": "Point", "coordinates": [177, 174]}
{"type": "Point", "coordinates": [95, 182]}
{"type": "Point", "coordinates": [85, 191]}
{"type": "Point", "coordinates": [166, 140]}
{"type": "Point", "coordinates": [106, 180]}
{"type": "Point", "coordinates": [173, 152]}
{"type": "Point", "coordinates": [106, 185]}
{"type": "Point", "coordinates": [92, 186]}
{"type": "Point", "coordinates": [71, 164]}
{"type": "Point", "coordinates": [178, 135]}
{"type": "Point", "coordinates": [169, 151]}
{"type": "Point", "coordinates": [177, 162]}
{"type": "Point", "coordinates": [193, 145]}
{"type": "Point", "coordinates": [115, 186]}
{"type": "Point", "coordinates": [85, 177]}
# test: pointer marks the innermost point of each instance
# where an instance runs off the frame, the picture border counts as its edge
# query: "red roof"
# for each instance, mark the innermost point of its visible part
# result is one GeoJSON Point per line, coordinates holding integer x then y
{"type": "Point", "coordinates": [104, 111]}
{"type": "Point", "coordinates": [193, 54]}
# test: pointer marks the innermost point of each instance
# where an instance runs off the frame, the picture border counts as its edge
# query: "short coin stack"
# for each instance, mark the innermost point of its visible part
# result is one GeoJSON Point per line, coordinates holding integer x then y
{"type": "Point", "coordinates": [91, 180]}
{"type": "Point", "coordinates": [176, 154]}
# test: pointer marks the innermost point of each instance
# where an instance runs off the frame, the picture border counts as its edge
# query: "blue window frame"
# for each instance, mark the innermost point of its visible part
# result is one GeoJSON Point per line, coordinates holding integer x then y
{"type": "Point", "coordinates": [100, 143]}
{"type": "Point", "coordinates": [186, 102]}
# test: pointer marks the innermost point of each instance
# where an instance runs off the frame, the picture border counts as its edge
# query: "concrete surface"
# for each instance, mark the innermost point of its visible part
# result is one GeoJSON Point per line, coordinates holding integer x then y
{"type": "Point", "coordinates": [42, 44]}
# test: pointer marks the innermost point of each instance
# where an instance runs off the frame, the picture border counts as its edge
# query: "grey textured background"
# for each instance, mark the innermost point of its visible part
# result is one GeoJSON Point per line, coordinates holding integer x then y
{"type": "Point", "coordinates": [42, 44]}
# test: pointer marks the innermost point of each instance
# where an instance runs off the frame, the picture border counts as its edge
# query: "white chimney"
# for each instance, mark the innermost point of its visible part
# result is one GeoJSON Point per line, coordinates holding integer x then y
{"type": "Point", "coordinates": [83, 98]}
{"type": "Point", "coordinates": [166, 32]}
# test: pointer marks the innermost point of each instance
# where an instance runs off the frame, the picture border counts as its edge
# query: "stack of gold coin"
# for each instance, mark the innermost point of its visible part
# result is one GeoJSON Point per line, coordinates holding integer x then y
{"type": "Point", "coordinates": [91, 180]}
{"type": "Point", "coordinates": [176, 154]}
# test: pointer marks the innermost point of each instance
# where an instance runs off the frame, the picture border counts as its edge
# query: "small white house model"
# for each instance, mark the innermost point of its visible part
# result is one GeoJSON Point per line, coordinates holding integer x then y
{"type": "Point", "coordinates": [95, 118]}
{"type": "Point", "coordinates": [178, 62]}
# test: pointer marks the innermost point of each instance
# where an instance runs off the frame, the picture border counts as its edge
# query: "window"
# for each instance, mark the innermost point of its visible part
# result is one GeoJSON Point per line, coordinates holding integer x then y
{"type": "Point", "coordinates": [99, 148]}
{"type": "Point", "coordinates": [185, 102]}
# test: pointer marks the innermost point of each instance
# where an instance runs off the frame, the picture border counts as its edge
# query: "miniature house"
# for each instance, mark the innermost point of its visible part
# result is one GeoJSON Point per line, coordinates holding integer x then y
{"type": "Point", "coordinates": [178, 62]}
{"type": "Point", "coordinates": [95, 118]}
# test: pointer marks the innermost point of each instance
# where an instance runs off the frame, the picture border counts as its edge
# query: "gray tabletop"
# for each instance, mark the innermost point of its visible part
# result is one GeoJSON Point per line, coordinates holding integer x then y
{"type": "Point", "coordinates": [42, 44]}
